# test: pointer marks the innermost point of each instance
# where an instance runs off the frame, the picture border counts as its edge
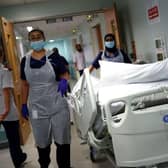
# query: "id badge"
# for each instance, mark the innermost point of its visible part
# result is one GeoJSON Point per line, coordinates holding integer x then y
{"type": "Point", "coordinates": [34, 114]}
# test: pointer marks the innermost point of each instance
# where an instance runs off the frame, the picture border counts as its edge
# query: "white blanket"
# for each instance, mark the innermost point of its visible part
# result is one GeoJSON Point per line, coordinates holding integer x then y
{"type": "Point", "coordinates": [122, 73]}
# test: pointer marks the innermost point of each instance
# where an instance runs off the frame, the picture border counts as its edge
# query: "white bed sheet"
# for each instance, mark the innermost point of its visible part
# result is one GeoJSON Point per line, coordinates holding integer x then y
{"type": "Point", "coordinates": [119, 73]}
{"type": "Point", "coordinates": [106, 90]}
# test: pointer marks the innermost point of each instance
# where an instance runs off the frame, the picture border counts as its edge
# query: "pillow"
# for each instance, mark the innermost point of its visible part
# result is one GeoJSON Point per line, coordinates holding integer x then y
{"type": "Point", "coordinates": [123, 73]}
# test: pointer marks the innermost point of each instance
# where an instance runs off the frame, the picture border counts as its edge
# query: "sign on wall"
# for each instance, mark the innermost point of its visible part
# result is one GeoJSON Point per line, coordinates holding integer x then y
{"type": "Point", "coordinates": [160, 47]}
{"type": "Point", "coordinates": [153, 15]}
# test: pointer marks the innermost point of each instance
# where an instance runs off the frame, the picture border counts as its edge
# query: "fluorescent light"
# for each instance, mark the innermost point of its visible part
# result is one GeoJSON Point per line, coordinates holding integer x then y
{"type": "Point", "coordinates": [29, 28]}
{"type": "Point", "coordinates": [17, 37]}
{"type": "Point", "coordinates": [51, 41]}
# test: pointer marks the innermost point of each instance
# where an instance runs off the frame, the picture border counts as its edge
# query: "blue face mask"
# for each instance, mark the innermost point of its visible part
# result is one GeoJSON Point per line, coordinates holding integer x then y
{"type": "Point", "coordinates": [109, 44]}
{"type": "Point", "coordinates": [37, 45]}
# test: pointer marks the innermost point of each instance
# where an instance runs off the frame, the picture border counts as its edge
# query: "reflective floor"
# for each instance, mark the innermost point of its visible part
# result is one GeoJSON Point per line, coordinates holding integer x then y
{"type": "Point", "coordinates": [79, 155]}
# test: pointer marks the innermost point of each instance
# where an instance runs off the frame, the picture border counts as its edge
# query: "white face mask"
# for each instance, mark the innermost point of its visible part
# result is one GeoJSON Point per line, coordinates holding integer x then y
{"type": "Point", "coordinates": [37, 45]}
{"type": "Point", "coordinates": [109, 44]}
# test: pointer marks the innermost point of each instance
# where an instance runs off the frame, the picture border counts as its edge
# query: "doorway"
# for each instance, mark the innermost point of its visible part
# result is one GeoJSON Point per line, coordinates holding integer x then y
{"type": "Point", "coordinates": [9, 52]}
{"type": "Point", "coordinates": [112, 24]}
{"type": "Point", "coordinates": [97, 39]}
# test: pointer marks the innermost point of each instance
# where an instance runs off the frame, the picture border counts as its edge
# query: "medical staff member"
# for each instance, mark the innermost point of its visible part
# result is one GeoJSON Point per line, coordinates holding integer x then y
{"type": "Point", "coordinates": [79, 59]}
{"type": "Point", "coordinates": [61, 59]}
{"type": "Point", "coordinates": [111, 53]}
{"type": "Point", "coordinates": [9, 117]}
{"type": "Point", "coordinates": [56, 53]}
{"type": "Point", "coordinates": [44, 102]}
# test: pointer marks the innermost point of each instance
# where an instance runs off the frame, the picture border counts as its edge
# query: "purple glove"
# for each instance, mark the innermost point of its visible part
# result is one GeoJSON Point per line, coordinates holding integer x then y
{"type": "Point", "coordinates": [25, 111]}
{"type": "Point", "coordinates": [62, 87]}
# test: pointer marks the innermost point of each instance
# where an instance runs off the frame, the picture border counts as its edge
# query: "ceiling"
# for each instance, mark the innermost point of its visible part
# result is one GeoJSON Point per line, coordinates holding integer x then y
{"type": "Point", "coordinates": [55, 30]}
{"type": "Point", "coordinates": [19, 2]}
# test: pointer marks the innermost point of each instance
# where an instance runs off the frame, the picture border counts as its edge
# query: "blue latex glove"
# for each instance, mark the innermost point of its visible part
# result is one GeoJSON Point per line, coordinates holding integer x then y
{"type": "Point", "coordinates": [62, 87]}
{"type": "Point", "coordinates": [25, 111]}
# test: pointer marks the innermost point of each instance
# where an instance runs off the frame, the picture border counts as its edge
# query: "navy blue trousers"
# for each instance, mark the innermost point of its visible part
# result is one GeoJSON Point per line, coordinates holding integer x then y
{"type": "Point", "coordinates": [63, 156]}
{"type": "Point", "coordinates": [12, 134]}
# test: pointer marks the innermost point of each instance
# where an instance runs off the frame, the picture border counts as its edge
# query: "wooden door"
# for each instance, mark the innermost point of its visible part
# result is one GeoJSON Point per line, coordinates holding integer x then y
{"type": "Point", "coordinates": [112, 24]}
{"type": "Point", "coordinates": [10, 52]}
{"type": "Point", "coordinates": [97, 39]}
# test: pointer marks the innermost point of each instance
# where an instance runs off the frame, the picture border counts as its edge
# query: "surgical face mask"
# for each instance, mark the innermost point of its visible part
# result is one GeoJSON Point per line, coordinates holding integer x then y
{"type": "Point", "coordinates": [109, 44]}
{"type": "Point", "coordinates": [37, 45]}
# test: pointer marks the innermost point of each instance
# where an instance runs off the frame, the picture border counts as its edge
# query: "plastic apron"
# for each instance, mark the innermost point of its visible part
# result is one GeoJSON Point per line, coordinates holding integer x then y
{"type": "Point", "coordinates": [48, 110]}
{"type": "Point", "coordinates": [118, 58]}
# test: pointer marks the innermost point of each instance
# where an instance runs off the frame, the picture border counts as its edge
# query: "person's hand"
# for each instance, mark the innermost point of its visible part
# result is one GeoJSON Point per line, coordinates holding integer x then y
{"type": "Point", "coordinates": [62, 87]}
{"type": "Point", "coordinates": [25, 112]}
{"type": "Point", "coordinates": [76, 68]}
{"type": "Point", "coordinates": [3, 116]}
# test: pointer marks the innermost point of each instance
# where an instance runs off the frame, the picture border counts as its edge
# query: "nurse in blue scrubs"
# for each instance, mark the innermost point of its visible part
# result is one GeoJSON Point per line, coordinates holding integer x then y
{"type": "Point", "coordinates": [110, 53]}
{"type": "Point", "coordinates": [44, 85]}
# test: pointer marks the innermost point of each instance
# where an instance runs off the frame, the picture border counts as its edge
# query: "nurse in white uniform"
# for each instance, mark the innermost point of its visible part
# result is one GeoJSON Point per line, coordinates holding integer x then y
{"type": "Point", "coordinates": [9, 117]}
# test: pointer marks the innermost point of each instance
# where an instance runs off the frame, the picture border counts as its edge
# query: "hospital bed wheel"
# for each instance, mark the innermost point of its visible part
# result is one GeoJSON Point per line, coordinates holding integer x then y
{"type": "Point", "coordinates": [96, 155]}
{"type": "Point", "coordinates": [93, 154]}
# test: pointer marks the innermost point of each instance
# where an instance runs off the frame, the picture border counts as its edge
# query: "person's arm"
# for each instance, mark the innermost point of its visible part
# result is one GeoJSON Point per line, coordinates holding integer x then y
{"type": "Point", "coordinates": [64, 76]}
{"type": "Point", "coordinates": [63, 70]}
{"type": "Point", "coordinates": [6, 95]}
{"type": "Point", "coordinates": [65, 61]}
{"type": "Point", "coordinates": [95, 63]}
{"type": "Point", "coordinates": [126, 58]}
{"type": "Point", "coordinates": [12, 93]}
{"type": "Point", "coordinates": [24, 83]}
{"type": "Point", "coordinates": [7, 85]}
{"type": "Point", "coordinates": [75, 61]}
{"type": "Point", "coordinates": [24, 91]}
{"type": "Point", "coordinates": [91, 68]}
{"type": "Point", "coordinates": [75, 65]}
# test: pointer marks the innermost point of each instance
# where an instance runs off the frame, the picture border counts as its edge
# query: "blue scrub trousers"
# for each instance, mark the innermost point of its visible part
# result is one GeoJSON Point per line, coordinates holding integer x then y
{"type": "Point", "coordinates": [12, 134]}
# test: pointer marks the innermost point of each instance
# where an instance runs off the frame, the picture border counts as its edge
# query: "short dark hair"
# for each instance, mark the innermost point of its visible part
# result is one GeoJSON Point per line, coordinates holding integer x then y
{"type": "Point", "coordinates": [36, 30]}
{"type": "Point", "coordinates": [55, 50]}
{"type": "Point", "coordinates": [109, 35]}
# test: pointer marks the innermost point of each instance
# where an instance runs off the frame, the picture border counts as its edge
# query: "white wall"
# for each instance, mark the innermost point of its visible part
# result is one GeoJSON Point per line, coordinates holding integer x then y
{"type": "Point", "coordinates": [135, 26]}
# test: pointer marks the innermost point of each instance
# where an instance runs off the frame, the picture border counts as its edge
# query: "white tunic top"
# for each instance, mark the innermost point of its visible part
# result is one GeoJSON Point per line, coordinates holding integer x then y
{"type": "Point", "coordinates": [7, 82]}
{"type": "Point", "coordinates": [79, 59]}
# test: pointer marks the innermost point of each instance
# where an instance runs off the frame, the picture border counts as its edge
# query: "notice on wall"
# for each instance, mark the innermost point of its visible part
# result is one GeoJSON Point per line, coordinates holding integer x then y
{"type": "Point", "coordinates": [153, 15]}
{"type": "Point", "coordinates": [160, 46]}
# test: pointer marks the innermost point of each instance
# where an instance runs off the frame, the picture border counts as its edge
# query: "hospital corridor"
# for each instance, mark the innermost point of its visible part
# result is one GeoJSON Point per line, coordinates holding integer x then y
{"type": "Point", "coordinates": [83, 84]}
{"type": "Point", "coordinates": [79, 155]}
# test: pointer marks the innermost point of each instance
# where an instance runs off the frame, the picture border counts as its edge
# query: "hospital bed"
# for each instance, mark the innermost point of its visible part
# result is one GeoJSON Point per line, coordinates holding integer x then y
{"type": "Point", "coordinates": [126, 122]}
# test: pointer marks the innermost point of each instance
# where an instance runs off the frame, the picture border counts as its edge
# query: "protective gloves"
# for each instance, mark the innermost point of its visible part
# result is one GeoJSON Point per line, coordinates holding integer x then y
{"type": "Point", "coordinates": [25, 112]}
{"type": "Point", "coordinates": [62, 87]}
